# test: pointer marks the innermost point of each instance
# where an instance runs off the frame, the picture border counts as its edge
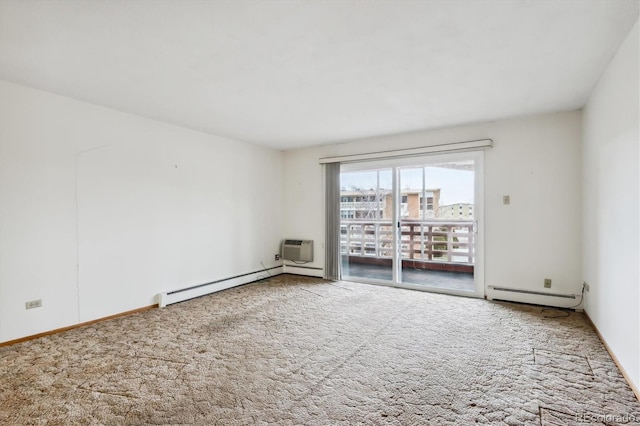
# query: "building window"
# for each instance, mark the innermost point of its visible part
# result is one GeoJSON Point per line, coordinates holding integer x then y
{"type": "Point", "coordinates": [429, 203]}
{"type": "Point", "coordinates": [346, 214]}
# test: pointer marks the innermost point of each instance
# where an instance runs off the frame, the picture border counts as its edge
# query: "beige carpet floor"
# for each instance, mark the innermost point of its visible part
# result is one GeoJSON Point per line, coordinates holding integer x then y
{"type": "Point", "coordinates": [296, 350]}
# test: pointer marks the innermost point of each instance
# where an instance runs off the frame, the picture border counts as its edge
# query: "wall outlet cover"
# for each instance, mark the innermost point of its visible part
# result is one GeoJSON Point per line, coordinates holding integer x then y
{"type": "Point", "coordinates": [547, 283]}
{"type": "Point", "coordinates": [33, 304]}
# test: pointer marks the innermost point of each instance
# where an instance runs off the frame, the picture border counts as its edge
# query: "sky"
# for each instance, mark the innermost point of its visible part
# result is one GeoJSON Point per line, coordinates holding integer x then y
{"type": "Point", "coordinates": [456, 186]}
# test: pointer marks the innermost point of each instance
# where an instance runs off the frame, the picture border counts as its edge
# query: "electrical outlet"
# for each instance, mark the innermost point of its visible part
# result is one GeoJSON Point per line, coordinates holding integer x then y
{"type": "Point", "coordinates": [506, 200]}
{"type": "Point", "coordinates": [277, 257]}
{"type": "Point", "coordinates": [585, 285]}
{"type": "Point", "coordinates": [547, 283]}
{"type": "Point", "coordinates": [33, 304]}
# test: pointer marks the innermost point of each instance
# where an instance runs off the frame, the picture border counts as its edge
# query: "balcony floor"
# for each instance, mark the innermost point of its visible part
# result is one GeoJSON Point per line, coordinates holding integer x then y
{"type": "Point", "coordinates": [438, 279]}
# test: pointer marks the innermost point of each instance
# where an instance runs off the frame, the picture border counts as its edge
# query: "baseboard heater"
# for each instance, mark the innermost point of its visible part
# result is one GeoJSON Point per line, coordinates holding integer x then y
{"type": "Point", "coordinates": [537, 293]}
{"type": "Point", "coordinates": [175, 296]}
{"type": "Point", "coordinates": [310, 271]}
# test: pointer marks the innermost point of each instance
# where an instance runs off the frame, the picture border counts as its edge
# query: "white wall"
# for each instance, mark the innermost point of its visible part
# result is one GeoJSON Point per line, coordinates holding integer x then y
{"type": "Point", "coordinates": [536, 160]}
{"type": "Point", "coordinates": [611, 200]}
{"type": "Point", "coordinates": [101, 210]}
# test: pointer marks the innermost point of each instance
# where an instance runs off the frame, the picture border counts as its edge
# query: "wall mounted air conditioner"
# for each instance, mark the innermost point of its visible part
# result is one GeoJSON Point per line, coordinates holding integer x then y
{"type": "Point", "coordinates": [297, 250]}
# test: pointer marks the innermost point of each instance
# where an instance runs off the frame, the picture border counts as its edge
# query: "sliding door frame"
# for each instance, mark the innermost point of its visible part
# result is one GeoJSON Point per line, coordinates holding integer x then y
{"type": "Point", "coordinates": [424, 160]}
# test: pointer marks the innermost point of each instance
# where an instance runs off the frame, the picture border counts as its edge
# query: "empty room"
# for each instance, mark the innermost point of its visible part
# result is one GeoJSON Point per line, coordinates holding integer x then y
{"type": "Point", "coordinates": [315, 212]}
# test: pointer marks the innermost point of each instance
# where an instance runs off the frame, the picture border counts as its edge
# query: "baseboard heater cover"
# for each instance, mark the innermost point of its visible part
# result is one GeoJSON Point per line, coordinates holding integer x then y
{"type": "Point", "coordinates": [303, 267]}
{"type": "Point", "coordinates": [175, 296]}
{"type": "Point", "coordinates": [311, 271]}
{"type": "Point", "coordinates": [537, 293]}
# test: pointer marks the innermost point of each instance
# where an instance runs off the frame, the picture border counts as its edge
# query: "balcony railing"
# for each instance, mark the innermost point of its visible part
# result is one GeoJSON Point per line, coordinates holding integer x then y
{"type": "Point", "coordinates": [428, 241]}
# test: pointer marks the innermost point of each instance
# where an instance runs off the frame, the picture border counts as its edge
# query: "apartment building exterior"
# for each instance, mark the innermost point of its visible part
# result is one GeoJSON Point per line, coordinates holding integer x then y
{"type": "Point", "coordinates": [371, 204]}
{"type": "Point", "coordinates": [458, 211]}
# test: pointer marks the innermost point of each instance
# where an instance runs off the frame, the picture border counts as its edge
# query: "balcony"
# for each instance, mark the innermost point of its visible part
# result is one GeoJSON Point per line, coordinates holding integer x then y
{"type": "Point", "coordinates": [361, 205]}
{"type": "Point", "coordinates": [434, 252]}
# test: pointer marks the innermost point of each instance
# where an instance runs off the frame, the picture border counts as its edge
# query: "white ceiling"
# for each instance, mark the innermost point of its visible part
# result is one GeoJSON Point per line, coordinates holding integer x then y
{"type": "Point", "coordinates": [296, 73]}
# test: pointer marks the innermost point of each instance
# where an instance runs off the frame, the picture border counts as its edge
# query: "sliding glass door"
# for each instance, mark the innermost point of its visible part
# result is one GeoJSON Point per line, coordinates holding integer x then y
{"type": "Point", "coordinates": [414, 223]}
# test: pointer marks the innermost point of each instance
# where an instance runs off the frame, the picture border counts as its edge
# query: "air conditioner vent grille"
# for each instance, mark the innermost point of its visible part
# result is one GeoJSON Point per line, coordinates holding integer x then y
{"type": "Point", "coordinates": [297, 250]}
{"type": "Point", "coordinates": [293, 242]}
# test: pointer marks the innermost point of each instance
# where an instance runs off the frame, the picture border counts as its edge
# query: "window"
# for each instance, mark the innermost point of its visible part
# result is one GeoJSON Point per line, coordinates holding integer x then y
{"type": "Point", "coordinates": [429, 203]}
{"type": "Point", "coordinates": [346, 214]}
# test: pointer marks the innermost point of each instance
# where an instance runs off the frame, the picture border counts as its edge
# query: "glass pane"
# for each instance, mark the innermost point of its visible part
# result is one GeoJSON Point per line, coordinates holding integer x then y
{"type": "Point", "coordinates": [366, 212]}
{"type": "Point", "coordinates": [437, 214]}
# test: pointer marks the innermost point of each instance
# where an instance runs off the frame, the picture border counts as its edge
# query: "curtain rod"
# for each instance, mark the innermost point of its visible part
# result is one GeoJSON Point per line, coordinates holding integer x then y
{"type": "Point", "coordinates": [394, 153]}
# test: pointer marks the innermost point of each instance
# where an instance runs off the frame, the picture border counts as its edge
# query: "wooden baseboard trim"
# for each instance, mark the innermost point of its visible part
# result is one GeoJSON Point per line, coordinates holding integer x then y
{"type": "Point", "coordinates": [635, 390]}
{"type": "Point", "coordinates": [71, 327]}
